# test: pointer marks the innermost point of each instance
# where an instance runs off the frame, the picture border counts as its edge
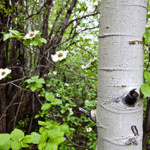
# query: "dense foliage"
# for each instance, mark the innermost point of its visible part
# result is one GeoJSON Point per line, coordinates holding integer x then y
{"type": "Point", "coordinates": [50, 48]}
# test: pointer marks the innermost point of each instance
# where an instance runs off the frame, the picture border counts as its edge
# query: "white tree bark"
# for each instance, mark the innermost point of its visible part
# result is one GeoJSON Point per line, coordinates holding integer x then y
{"type": "Point", "coordinates": [122, 25]}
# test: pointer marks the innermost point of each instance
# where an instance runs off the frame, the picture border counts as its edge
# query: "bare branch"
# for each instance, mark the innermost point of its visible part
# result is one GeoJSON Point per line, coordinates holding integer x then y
{"type": "Point", "coordinates": [73, 144]}
{"type": "Point", "coordinates": [69, 70]}
{"type": "Point", "coordinates": [58, 15]}
{"type": "Point", "coordinates": [39, 11]}
{"type": "Point", "coordinates": [77, 19]}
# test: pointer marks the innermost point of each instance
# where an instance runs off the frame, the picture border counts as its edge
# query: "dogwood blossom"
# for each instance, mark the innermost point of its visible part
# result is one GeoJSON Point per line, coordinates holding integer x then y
{"type": "Point", "coordinates": [70, 111]}
{"type": "Point", "coordinates": [66, 84]}
{"type": "Point", "coordinates": [54, 72]}
{"type": "Point", "coordinates": [4, 73]}
{"type": "Point", "coordinates": [60, 55]}
{"type": "Point", "coordinates": [58, 95]}
{"type": "Point", "coordinates": [89, 129]}
{"type": "Point", "coordinates": [31, 34]}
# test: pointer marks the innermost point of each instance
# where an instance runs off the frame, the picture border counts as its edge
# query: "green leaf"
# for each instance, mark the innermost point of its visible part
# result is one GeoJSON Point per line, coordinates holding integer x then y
{"type": "Point", "coordinates": [15, 145]}
{"type": "Point", "coordinates": [38, 85]}
{"type": "Point", "coordinates": [17, 135]}
{"type": "Point", "coordinates": [15, 32]}
{"type": "Point", "coordinates": [33, 88]}
{"type": "Point", "coordinates": [27, 42]}
{"type": "Point", "coordinates": [59, 140]}
{"type": "Point", "coordinates": [46, 106]}
{"type": "Point", "coordinates": [56, 102]}
{"type": "Point", "coordinates": [54, 146]}
{"type": "Point", "coordinates": [41, 80]}
{"type": "Point", "coordinates": [43, 40]}
{"type": "Point", "coordinates": [48, 146]}
{"type": "Point", "coordinates": [28, 139]}
{"type": "Point", "coordinates": [65, 129]}
{"type": "Point", "coordinates": [40, 43]}
{"type": "Point", "coordinates": [7, 36]}
{"type": "Point", "coordinates": [56, 132]}
{"type": "Point", "coordinates": [90, 73]}
{"type": "Point", "coordinates": [34, 42]}
{"type": "Point", "coordinates": [49, 97]}
{"type": "Point", "coordinates": [6, 146]}
{"type": "Point", "coordinates": [23, 144]}
{"type": "Point", "coordinates": [42, 129]}
{"type": "Point", "coordinates": [92, 103]}
{"type": "Point", "coordinates": [147, 76]}
{"type": "Point", "coordinates": [35, 77]}
{"type": "Point", "coordinates": [4, 138]}
{"type": "Point", "coordinates": [148, 141]}
{"type": "Point", "coordinates": [42, 123]}
{"type": "Point", "coordinates": [43, 137]}
{"type": "Point", "coordinates": [147, 36]}
{"type": "Point", "coordinates": [35, 137]}
{"type": "Point", "coordinates": [37, 116]}
{"type": "Point", "coordinates": [41, 146]}
{"type": "Point", "coordinates": [29, 81]}
{"type": "Point", "coordinates": [145, 89]}
{"type": "Point", "coordinates": [28, 86]}
{"type": "Point", "coordinates": [62, 62]}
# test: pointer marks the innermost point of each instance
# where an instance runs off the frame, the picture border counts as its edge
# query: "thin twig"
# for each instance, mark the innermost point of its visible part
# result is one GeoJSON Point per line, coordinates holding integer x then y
{"type": "Point", "coordinates": [10, 104]}
{"type": "Point", "coordinates": [73, 144]}
{"type": "Point", "coordinates": [69, 70]}
{"type": "Point", "coordinates": [18, 109]}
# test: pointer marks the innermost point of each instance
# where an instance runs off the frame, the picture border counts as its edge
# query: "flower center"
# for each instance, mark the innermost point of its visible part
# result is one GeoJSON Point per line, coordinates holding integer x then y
{"type": "Point", "coordinates": [31, 35]}
{"type": "Point", "coordinates": [60, 54]}
{"type": "Point", "coordinates": [3, 73]}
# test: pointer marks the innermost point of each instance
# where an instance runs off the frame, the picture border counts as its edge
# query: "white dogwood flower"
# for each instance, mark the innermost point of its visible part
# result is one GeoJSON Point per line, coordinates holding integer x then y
{"type": "Point", "coordinates": [54, 72]}
{"type": "Point", "coordinates": [89, 129]}
{"type": "Point", "coordinates": [66, 84]}
{"type": "Point", "coordinates": [31, 34]}
{"type": "Point", "coordinates": [60, 55]}
{"type": "Point", "coordinates": [70, 111]}
{"type": "Point", "coordinates": [58, 95]}
{"type": "Point", "coordinates": [4, 73]}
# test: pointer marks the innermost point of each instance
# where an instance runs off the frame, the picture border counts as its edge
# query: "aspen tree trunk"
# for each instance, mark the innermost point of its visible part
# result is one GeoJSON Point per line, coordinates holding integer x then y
{"type": "Point", "coordinates": [120, 71]}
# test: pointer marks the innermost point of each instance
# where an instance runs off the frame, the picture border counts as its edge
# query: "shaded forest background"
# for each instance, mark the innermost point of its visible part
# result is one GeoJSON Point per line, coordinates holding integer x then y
{"type": "Point", "coordinates": [66, 25]}
{"type": "Point", "coordinates": [70, 25]}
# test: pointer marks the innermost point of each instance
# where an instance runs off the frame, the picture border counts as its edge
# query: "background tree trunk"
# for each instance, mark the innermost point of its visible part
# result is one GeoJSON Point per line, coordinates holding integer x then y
{"type": "Point", "coordinates": [122, 25]}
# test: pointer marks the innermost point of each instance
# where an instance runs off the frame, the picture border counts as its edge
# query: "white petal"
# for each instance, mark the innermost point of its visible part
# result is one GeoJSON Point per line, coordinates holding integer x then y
{"type": "Point", "coordinates": [36, 32]}
{"type": "Point", "coordinates": [55, 72]}
{"type": "Point", "coordinates": [6, 70]}
{"type": "Point", "coordinates": [89, 129]}
{"type": "Point", "coordinates": [54, 58]}
{"type": "Point", "coordinates": [27, 36]}
{"type": "Point", "coordinates": [66, 84]}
